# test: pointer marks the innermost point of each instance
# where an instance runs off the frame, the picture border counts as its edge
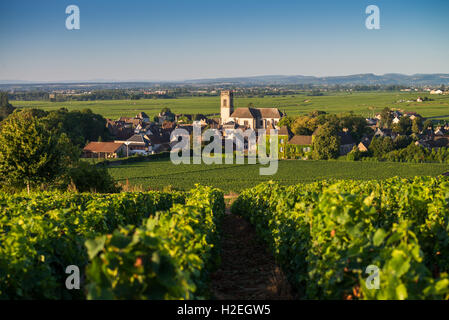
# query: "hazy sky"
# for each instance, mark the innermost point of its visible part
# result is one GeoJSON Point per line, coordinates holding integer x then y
{"type": "Point", "coordinates": [189, 39]}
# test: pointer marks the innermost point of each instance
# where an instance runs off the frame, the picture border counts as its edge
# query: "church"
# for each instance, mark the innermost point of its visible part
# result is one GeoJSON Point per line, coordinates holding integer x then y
{"type": "Point", "coordinates": [253, 118]}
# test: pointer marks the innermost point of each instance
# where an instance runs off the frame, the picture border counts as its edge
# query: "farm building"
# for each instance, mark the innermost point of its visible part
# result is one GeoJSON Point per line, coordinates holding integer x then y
{"type": "Point", "coordinates": [104, 150]}
{"type": "Point", "coordinates": [346, 143]}
{"type": "Point", "coordinates": [299, 145]}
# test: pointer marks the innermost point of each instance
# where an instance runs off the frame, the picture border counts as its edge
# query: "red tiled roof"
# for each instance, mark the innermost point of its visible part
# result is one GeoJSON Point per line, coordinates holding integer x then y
{"type": "Point", "coordinates": [244, 113]}
{"type": "Point", "coordinates": [301, 140]}
{"type": "Point", "coordinates": [107, 147]}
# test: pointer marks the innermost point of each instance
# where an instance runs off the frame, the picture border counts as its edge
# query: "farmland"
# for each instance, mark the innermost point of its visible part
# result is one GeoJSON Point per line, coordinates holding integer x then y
{"type": "Point", "coordinates": [325, 235]}
{"type": "Point", "coordinates": [161, 173]}
{"type": "Point", "coordinates": [364, 103]}
{"type": "Point", "coordinates": [42, 233]}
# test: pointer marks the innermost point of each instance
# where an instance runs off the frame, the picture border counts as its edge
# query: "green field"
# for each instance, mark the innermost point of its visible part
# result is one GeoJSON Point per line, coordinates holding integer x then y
{"type": "Point", "coordinates": [161, 173]}
{"type": "Point", "coordinates": [358, 102]}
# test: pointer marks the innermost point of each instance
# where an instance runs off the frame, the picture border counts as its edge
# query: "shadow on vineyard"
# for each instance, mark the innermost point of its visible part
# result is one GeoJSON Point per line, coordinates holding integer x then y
{"type": "Point", "coordinates": [248, 271]}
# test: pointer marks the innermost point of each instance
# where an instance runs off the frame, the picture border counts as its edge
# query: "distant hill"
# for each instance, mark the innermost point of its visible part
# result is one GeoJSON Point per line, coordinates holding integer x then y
{"type": "Point", "coordinates": [356, 79]}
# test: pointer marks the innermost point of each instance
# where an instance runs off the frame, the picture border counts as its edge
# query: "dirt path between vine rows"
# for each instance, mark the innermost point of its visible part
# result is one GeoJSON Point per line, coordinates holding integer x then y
{"type": "Point", "coordinates": [248, 271]}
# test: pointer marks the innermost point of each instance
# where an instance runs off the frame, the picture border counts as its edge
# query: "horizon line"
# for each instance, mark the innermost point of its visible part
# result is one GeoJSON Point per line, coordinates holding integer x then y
{"type": "Point", "coordinates": [23, 82]}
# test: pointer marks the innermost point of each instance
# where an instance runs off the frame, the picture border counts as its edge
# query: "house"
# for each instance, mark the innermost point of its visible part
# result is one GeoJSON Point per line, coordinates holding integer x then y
{"type": "Point", "coordinates": [144, 117]}
{"type": "Point", "coordinates": [119, 129]}
{"type": "Point", "coordinates": [385, 133]}
{"type": "Point", "coordinates": [412, 115]}
{"type": "Point", "coordinates": [138, 143]}
{"type": "Point", "coordinates": [396, 114]}
{"type": "Point", "coordinates": [254, 118]}
{"type": "Point", "coordinates": [440, 131]}
{"type": "Point", "coordinates": [139, 128]}
{"type": "Point", "coordinates": [160, 142]}
{"type": "Point", "coordinates": [213, 123]}
{"type": "Point", "coordinates": [149, 129]}
{"type": "Point", "coordinates": [166, 116]}
{"type": "Point", "coordinates": [436, 92]}
{"type": "Point", "coordinates": [104, 150]}
{"type": "Point", "coordinates": [301, 140]}
{"type": "Point", "coordinates": [346, 143]}
{"type": "Point", "coordinates": [363, 146]}
{"type": "Point", "coordinates": [284, 135]}
{"type": "Point", "coordinates": [423, 143]}
{"type": "Point", "coordinates": [299, 145]}
{"type": "Point", "coordinates": [134, 122]}
{"type": "Point", "coordinates": [168, 125]}
{"type": "Point", "coordinates": [439, 142]}
{"type": "Point", "coordinates": [396, 120]}
{"type": "Point", "coordinates": [230, 126]}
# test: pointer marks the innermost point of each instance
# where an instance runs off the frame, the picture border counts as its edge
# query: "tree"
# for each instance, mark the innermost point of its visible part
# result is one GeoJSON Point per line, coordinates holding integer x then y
{"type": "Point", "coordinates": [184, 119]}
{"type": "Point", "coordinates": [354, 155]}
{"type": "Point", "coordinates": [79, 126]}
{"type": "Point", "coordinates": [304, 125]}
{"type": "Point", "coordinates": [379, 147]}
{"type": "Point", "coordinates": [417, 125]}
{"type": "Point", "coordinates": [356, 125]}
{"type": "Point", "coordinates": [386, 118]}
{"type": "Point", "coordinates": [89, 178]}
{"type": "Point", "coordinates": [199, 117]}
{"type": "Point", "coordinates": [5, 107]}
{"type": "Point", "coordinates": [401, 142]}
{"type": "Point", "coordinates": [316, 113]}
{"type": "Point", "coordinates": [428, 124]}
{"type": "Point", "coordinates": [286, 121]}
{"type": "Point", "coordinates": [404, 126]}
{"type": "Point", "coordinates": [31, 153]}
{"type": "Point", "coordinates": [326, 143]}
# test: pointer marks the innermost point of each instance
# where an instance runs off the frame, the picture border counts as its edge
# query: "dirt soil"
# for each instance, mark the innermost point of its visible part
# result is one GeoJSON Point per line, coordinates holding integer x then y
{"type": "Point", "coordinates": [248, 271]}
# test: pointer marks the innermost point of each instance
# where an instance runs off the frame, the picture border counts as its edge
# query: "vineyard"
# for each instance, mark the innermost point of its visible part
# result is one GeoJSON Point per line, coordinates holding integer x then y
{"type": "Point", "coordinates": [157, 174]}
{"type": "Point", "coordinates": [331, 102]}
{"type": "Point", "coordinates": [132, 245]}
{"type": "Point", "coordinates": [324, 235]}
{"type": "Point", "coordinates": [169, 245]}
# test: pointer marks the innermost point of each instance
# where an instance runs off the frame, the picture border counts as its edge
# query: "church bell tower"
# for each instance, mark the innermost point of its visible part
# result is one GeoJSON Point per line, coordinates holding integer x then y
{"type": "Point", "coordinates": [227, 105]}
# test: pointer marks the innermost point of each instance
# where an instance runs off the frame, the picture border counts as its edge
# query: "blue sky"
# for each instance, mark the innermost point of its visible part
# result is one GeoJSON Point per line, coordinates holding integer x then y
{"type": "Point", "coordinates": [190, 39]}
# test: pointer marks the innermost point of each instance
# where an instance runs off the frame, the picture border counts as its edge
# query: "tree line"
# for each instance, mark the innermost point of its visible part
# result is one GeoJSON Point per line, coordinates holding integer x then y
{"type": "Point", "coordinates": [41, 150]}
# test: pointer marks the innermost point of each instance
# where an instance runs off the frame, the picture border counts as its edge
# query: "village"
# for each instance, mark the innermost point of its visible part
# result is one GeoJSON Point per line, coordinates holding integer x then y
{"type": "Point", "coordinates": [141, 135]}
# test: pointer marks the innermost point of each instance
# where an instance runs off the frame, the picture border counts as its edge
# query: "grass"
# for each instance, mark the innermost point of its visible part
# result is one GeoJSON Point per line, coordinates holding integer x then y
{"type": "Point", "coordinates": [358, 102]}
{"type": "Point", "coordinates": [161, 173]}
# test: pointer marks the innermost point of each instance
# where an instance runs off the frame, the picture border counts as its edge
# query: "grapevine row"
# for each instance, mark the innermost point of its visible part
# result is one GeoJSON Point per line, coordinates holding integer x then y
{"type": "Point", "coordinates": [41, 234]}
{"type": "Point", "coordinates": [325, 235]}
